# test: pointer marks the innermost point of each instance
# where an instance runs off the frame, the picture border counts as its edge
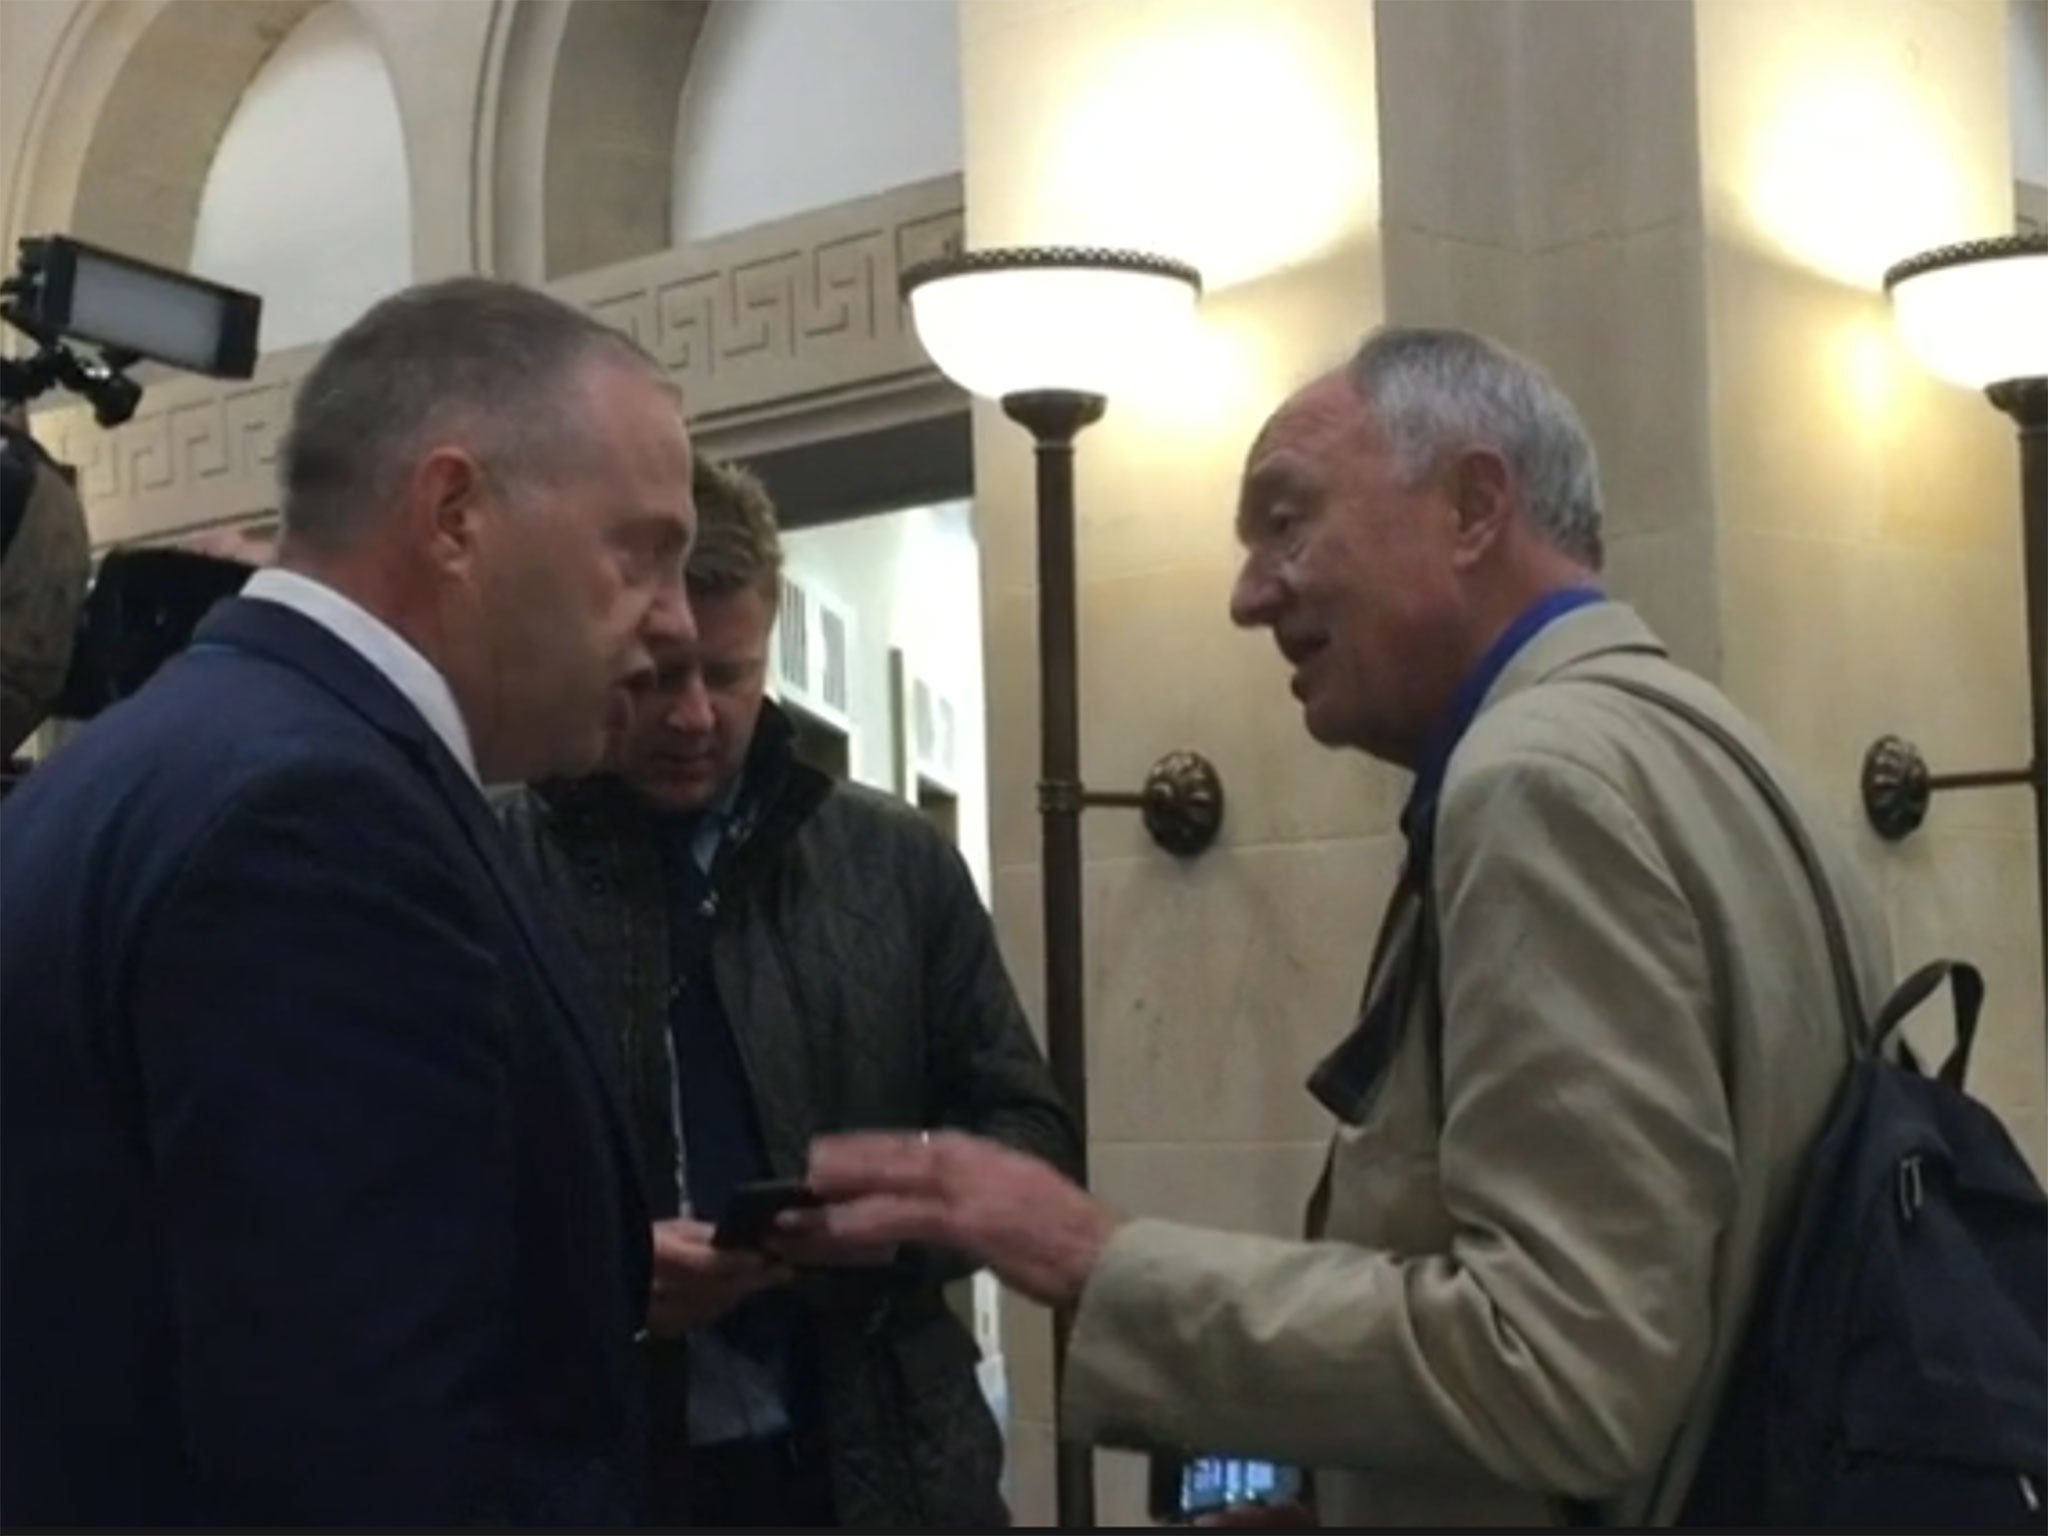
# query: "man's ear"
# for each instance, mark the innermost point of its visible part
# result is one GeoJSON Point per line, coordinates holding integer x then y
{"type": "Point", "coordinates": [1483, 492]}
{"type": "Point", "coordinates": [446, 498]}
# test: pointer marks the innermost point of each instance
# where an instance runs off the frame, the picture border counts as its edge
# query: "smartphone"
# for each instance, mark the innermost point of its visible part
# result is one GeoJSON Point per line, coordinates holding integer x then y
{"type": "Point", "coordinates": [1184, 1488]}
{"type": "Point", "coordinates": [750, 1214]}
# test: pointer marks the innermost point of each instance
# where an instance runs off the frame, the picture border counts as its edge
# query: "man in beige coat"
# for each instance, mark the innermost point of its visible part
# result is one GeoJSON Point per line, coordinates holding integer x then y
{"type": "Point", "coordinates": [1597, 1039]}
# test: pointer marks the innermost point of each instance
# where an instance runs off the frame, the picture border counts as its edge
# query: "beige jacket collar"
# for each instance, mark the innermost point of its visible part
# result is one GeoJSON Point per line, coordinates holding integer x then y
{"type": "Point", "coordinates": [1599, 629]}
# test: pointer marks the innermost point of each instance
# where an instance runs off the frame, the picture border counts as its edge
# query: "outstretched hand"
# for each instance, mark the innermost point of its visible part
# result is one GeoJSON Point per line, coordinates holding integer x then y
{"type": "Point", "coordinates": [1040, 1233]}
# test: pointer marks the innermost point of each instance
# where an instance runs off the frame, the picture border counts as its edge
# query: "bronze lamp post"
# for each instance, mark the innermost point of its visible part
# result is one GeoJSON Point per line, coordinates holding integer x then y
{"type": "Point", "coordinates": [1977, 315]}
{"type": "Point", "coordinates": [1050, 332]}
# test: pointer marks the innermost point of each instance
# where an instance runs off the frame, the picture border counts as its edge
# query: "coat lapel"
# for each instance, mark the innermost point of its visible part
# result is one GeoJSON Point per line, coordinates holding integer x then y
{"type": "Point", "coordinates": [289, 637]}
{"type": "Point", "coordinates": [556, 961]}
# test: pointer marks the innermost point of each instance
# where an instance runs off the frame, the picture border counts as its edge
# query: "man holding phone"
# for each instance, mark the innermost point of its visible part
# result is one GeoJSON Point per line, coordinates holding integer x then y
{"type": "Point", "coordinates": [787, 956]}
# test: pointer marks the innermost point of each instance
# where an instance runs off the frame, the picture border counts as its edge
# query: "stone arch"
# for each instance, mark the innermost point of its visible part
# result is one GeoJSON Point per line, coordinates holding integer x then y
{"type": "Point", "coordinates": [127, 120]}
{"type": "Point", "coordinates": [583, 95]}
{"type": "Point", "coordinates": [308, 196]}
{"type": "Point", "coordinates": [773, 80]}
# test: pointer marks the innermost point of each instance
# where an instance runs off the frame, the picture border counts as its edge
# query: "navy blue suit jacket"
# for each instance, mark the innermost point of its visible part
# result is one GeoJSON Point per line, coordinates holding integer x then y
{"type": "Point", "coordinates": [316, 1196]}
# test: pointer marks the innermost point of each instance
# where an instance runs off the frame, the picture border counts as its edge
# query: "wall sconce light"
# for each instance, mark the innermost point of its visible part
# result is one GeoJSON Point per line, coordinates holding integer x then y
{"type": "Point", "coordinates": [1977, 315]}
{"type": "Point", "coordinates": [1051, 333]}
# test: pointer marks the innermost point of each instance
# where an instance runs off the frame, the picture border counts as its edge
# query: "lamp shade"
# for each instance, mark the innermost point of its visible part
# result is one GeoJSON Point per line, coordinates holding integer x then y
{"type": "Point", "coordinates": [1028, 318]}
{"type": "Point", "coordinates": [1976, 314]}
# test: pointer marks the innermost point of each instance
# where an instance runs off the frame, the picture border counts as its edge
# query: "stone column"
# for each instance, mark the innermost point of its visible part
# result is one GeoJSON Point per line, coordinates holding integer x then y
{"type": "Point", "coordinates": [1867, 519]}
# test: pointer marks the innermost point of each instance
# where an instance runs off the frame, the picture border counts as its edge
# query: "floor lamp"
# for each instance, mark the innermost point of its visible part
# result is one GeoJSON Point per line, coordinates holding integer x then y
{"type": "Point", "coordinates": [1049, 333]}
{"type": "Point", "coordinates": [1977, 315]}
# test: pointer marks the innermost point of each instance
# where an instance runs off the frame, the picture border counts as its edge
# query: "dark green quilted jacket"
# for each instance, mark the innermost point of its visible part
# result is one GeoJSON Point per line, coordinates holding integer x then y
{"type": "Point", "coordinates": [860, 971]}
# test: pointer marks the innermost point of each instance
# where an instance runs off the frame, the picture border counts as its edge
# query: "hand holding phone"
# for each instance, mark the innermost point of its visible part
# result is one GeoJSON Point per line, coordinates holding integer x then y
{"type": "Point", "coordinates": [694, 1283]}
{"type": "Point", "coordinates": [758, 1221]}
{"type": "Point", "coordinates": [750, 1215]}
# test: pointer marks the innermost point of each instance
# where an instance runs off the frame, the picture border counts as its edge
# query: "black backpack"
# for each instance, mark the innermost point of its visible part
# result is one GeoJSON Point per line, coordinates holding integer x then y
{"type": "Point", "coordinates": [1894, 1371]}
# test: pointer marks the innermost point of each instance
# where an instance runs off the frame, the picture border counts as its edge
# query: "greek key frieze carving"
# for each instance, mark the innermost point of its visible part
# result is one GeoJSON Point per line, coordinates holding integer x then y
{"type": "Point", "coordinates": [789, 311]}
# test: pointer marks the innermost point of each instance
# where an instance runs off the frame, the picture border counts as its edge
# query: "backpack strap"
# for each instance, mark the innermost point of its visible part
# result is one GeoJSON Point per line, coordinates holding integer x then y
{"type": "Point", "coordinates": [1847, 993]}
{"type": "Point", "coordinates": [1967, 983]}
{"type": "Point", "coordinates": [1965, 980]}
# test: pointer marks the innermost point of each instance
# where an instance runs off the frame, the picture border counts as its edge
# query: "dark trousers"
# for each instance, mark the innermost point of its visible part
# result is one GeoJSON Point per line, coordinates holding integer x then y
{"type": "Point", "coordinates": [747, 1485]}
{"type": "Point", "coordinates": [784, 1483]}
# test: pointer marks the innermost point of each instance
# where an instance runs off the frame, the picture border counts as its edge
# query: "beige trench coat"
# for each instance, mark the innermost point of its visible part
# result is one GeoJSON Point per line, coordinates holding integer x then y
{"type": "Point", "coordinates": [1536, 1296]}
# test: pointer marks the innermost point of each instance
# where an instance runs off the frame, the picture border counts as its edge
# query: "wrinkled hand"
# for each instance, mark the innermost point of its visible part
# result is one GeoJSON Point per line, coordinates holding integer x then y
{"type": "Point", "coordinates": [1039, 1233]}
{"type": "Point", "coordinates": [1272, 1517]}
{"type": "Point", "coordinates": [696, 1284]}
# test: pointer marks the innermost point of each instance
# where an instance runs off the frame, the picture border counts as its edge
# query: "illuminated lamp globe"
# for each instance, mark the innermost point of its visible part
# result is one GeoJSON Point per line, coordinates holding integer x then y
{"type": "Point", "coordinates": [1976, 314]}
{"type": "Point", "coordinates": [1050, 319]}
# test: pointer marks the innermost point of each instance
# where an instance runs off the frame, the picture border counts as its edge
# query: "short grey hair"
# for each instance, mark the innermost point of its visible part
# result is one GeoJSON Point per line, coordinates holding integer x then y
{"type": "Point", "coordinates": [470, 360]}
{"type": "Point", "coordinates": [1436, 392]}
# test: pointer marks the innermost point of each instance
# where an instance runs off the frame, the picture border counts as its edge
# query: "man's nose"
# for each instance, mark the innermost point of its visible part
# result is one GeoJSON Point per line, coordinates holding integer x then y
{"type": "Point", "coordinates": [1254, 596]}
{"type": "Point", "coordinates": [690, 710]}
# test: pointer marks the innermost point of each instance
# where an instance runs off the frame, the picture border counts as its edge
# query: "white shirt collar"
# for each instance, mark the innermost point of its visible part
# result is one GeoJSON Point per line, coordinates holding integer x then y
{"type": "Point", "coordinates": [380, 645]}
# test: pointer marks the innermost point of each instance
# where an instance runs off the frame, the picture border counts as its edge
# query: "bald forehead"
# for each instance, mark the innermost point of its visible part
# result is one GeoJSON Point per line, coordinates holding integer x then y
{"type": "Point", "coordinates": [1321, 407]}
{"type": "Point", "coordinates": [1292, 454]}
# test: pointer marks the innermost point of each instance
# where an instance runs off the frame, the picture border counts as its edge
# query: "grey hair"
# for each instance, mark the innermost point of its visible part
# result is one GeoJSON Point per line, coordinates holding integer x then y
{"type": "Point", "coordinates": [469, 360]}
{"type": "Point", "coordinates": [1437, 391]}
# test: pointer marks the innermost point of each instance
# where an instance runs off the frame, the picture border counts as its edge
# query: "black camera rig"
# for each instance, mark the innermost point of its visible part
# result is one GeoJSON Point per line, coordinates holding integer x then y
{"type": "Point", "coordinates": [63, 289]}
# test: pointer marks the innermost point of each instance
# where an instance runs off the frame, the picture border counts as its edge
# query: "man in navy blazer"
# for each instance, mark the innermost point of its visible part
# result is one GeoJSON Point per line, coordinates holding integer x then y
{"type": "Point", "coordinates": [316, 1199]}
